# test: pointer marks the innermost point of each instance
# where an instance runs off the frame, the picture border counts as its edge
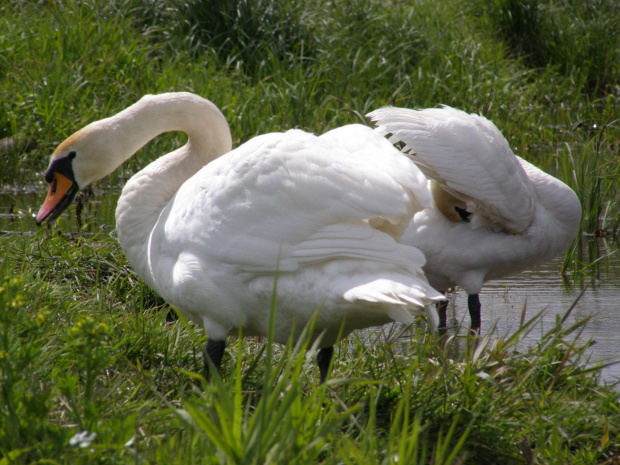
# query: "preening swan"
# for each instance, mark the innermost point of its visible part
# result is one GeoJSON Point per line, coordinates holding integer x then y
{"type": "Point", "coordinates": [210, 229]}
{"type": "Point", "coordinates": [494, 214]}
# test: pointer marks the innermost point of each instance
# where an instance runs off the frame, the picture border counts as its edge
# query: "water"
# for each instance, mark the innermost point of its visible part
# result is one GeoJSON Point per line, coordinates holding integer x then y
{"type": "Point", "coordinates": [541, 289]}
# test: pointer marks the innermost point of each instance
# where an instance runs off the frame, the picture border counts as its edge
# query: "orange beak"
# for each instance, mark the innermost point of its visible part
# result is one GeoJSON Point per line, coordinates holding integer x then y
{"type": "Point", "coordinates": [61, 193]}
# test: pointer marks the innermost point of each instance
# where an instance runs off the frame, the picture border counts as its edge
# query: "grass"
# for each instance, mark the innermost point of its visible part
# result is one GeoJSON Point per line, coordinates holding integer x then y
{"type": "Point", "coordinates": [575, 37]}
{"type": "Point", "coordinates": [96, 368]}
{"type": "Point", "coordinates": [111, 362]}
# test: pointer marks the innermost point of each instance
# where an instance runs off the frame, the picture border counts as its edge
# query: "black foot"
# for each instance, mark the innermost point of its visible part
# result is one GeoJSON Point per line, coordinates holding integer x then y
{"type": "Point", "coordinates": [324, 358]}
{"type": "Point", "coordinates": [214, 351]}
{"type": "Point", "coordinates": [473, 303]}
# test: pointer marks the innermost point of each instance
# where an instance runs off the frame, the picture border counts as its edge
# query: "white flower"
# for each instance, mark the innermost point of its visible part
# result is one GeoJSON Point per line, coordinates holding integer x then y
{"type": "Point", "coordinates": [82, 439]}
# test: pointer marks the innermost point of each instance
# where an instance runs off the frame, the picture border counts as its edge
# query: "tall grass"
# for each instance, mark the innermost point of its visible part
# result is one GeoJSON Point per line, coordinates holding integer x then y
{"type": "Point", "coordinates": [68, 63]}
{"type": "Point", "coordinates": [579, 38]}
{"type": "Point", "coordinates": [94, 370]}
{"type": "Point", "coordinates": [275, 65]}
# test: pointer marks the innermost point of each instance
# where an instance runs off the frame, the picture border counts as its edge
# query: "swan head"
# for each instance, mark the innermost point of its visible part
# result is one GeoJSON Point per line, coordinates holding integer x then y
{"type": "Point", "coordinates": [76, 163]}
{"type": "Point", "coordinates": [96, 150]}
{"type": "Point", "coordinates": [451, 207]}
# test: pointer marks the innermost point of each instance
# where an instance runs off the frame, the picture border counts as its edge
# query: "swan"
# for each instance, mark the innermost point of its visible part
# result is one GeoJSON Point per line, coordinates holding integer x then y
{"type": "Point", "coordinates": [217, 232]}
{"type": "Point", "coordinates": [494, 214]}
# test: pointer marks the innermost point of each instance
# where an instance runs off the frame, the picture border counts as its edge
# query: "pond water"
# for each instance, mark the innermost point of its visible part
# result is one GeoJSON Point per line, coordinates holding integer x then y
{"type": "Point", "coordinates": [541, 289]}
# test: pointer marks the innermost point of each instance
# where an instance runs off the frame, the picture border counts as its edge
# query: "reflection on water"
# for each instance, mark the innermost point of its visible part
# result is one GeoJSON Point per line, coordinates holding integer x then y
{"type": "Point", "coordinates": [502, 300]}
{"type": "Point", "coordinates": [19, 206]}
{"type": "Point", "coordinates": [542, 289]}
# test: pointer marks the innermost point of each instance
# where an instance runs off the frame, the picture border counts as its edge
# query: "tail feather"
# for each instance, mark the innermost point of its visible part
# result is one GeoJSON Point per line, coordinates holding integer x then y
{"type": "Point", "coordinates": [400, 301]}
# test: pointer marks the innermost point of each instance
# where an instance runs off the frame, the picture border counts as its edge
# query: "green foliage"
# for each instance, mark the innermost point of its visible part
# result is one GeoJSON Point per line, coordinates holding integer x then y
{"type": "Point", "coordinates": [245, 32]}
{"type": "Point", "coordinates": [275, 65]}
{"type": "Point", "coordinates": [579, 37]}
{"type": "Point", "coordinates": [25, 405]}
{"type": "Point", "coordinates": [91, 371]}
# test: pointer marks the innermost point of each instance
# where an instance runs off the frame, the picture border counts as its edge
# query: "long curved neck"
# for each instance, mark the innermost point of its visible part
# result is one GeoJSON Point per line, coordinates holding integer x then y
{"type": "Point", "coordinates": [148, 192]}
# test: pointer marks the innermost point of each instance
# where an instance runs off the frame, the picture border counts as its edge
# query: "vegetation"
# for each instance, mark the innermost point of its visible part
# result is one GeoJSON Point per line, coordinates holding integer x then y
{"type": "Point", "coordinates": [108, 377]}
{"type": "Point", "coordinates": [96, 368]}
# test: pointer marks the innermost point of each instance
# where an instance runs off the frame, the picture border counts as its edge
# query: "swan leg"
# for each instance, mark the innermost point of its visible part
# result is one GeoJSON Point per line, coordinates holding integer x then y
{"type": "Point", "coordinates": [473, 303]}
{"type": "Point", "coordinates": [442, 308]}
{"type": "Point", "coordinates": [324, 358]}
{"type": "Point", "coordinates": [214, 351]}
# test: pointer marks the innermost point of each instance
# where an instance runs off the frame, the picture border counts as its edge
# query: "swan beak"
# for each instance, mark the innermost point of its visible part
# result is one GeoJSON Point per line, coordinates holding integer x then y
{"type": "Point", "coordinates": [61, 194]}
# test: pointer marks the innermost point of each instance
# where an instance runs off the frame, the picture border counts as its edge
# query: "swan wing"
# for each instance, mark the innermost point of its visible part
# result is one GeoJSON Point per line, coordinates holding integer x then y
{"type": "Point", "coordinates": [470, 158]}
{"type": "Point", "coordinates": [294, 205]}
{"type": "Point", "coordinates": [285, 200]}
{"type": "Point", "coordinates": [361, 142]}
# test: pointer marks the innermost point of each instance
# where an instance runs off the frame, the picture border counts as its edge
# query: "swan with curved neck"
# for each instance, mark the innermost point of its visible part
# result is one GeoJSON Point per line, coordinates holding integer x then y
{"type": "Point", "coordinates": [210, 229]}
{"type": "Point", "coordinates": [493, 213]}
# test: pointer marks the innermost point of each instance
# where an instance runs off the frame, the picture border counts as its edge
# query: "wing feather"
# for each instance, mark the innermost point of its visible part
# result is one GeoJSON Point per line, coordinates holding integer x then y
{"type": "Point", "coordinates": [285, 200]}
{"type": "Point", "coordinates": [469, 157]}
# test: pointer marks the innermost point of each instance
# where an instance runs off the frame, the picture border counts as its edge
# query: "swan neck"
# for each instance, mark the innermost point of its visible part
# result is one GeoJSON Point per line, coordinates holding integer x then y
{"type": "Point", "coordinates": [149, 191]}
{"type": "Point", "coordinates": [201, 120]}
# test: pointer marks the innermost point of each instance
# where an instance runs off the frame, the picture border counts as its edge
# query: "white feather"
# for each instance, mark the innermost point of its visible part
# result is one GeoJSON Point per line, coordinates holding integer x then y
{"type": "Point", "coordinates": [519, 215]}
{"type": "Point", "coordinates": [213, 229]}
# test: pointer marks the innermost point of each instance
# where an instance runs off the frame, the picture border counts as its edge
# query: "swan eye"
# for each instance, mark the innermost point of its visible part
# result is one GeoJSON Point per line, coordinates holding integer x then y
{"type": "Point", "coordinates": [464, 214]}
{"type": "Point", "coordinates": [60, 166]}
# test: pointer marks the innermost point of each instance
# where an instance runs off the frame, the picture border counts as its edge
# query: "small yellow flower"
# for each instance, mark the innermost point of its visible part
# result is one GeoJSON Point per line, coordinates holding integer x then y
{"type": "Point", "coordinates": [18, 300]}
{"type": "Point", "coordinates": [42, 316]}
{"type": "Point", "coordinates": [74, 331]}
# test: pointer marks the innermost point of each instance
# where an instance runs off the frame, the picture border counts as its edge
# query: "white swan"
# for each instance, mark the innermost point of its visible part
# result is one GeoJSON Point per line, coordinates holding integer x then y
{"type": "Point", "coordinates": [494, 215]}
{"type": "Point", "coordinates": [212, 229]}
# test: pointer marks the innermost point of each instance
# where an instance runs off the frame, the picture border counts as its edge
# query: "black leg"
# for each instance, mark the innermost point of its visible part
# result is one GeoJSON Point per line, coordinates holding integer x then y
{"type": "Point", "coordinates": [442, 307]}
{"type": "Point", "coordinates": [473, 302]}
{"type": "Point", "coordinates": [323, 358]}
{"type": "Point", "coordinates": [442, 329]}
{"type": "Point", "coordinates": [214, 351]}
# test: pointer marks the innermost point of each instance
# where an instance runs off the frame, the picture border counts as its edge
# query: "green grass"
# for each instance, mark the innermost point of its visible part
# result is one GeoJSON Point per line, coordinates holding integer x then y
{"type": "Point", "coordinates": [85, 345]}
{"type": "Point", "coordinates": [67, 63]}
{"type": "Point", "coordinates": [578, 38]}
